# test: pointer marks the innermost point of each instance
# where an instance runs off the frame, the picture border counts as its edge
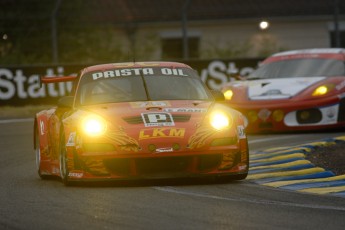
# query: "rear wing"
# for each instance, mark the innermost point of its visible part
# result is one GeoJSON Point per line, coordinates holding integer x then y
{"type": "Point", "coordinates": [48, 79]}
{"type": "Point", "coordinates": [53, 79]}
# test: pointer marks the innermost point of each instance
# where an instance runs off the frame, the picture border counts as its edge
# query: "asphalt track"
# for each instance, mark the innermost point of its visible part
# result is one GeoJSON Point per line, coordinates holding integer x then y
{"type": "Point", "coordinates": [26, 202]}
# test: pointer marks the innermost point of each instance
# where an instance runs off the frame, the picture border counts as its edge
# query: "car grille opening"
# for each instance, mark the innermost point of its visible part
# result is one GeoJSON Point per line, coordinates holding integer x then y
{"type": "Point", "coordinates": [163, 165]}
{"type": "Point", "coordinates": [138, 119]}
{"type": "Point", "coordinates": [308, 116]}
{"type": "Point", "coordinates": [341, 113]}
{"type": "Point", "coordinates": [209, 162]}
{"type": "Point", "coordinates": [118, 166]}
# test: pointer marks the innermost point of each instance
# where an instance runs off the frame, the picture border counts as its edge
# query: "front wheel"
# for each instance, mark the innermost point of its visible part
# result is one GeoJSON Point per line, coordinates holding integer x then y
{"type": "Point", "coordinates": [38, 157]}
{"type": "Point", "coordinates": [63, 160]}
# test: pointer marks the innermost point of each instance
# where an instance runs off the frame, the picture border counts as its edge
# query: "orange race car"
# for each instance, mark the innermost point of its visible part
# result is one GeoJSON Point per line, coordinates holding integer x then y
{"type": "Point", "coordinates": [296, 90]}
{"type": "Point", "coordinates": [139, 120]}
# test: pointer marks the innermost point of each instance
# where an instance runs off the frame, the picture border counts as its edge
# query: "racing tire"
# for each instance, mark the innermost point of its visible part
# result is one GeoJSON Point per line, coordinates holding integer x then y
{"type": "Point", "coordinates": [38, 157]}
{"type": "Point", "coordinates": [63, 160]}
{"type": "Point", "coordinates": [240, 176]}
{"type": "Point", "coordinates": [232, 178]}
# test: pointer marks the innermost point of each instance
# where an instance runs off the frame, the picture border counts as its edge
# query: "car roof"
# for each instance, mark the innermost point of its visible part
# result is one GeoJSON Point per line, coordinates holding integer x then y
{"type": "Point", "coordinates": [103, 67]}
{"type": "Point", "coordinates": [325, 53]}
{"type": "Point", "coordinates": [312, 51]}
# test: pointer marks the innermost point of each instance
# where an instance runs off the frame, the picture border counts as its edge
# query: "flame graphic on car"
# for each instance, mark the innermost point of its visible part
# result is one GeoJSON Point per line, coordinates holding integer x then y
{"type": "Point", "coordinates": [122, 140]}
{"type": "Point", "coordinates": [198, 139]}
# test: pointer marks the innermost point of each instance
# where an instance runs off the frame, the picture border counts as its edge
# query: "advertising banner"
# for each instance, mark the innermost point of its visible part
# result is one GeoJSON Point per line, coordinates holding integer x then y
{"type": "Point", "coordinates": [21, 86]}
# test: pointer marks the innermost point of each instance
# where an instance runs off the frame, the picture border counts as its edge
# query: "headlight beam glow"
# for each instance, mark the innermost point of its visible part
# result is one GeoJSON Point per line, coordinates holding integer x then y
{"type": "Point", "coordinates": [219, 120]}
{"type": "Point", "coordinates": [94, 126]}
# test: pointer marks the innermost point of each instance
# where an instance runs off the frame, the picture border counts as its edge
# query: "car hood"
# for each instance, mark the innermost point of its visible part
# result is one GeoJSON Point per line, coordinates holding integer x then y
{"type": "Point", "coordinates": [284, 88]}
{"type": "Point", "coordinates": [150, 113]}
{"type": "Point", "coordinates": [160, 126]}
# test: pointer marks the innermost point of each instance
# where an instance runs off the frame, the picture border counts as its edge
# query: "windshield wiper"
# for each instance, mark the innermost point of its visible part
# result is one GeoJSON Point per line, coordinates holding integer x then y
{"type": "Point", "coordinates": [254, 78]}
{"type": "Point", "coordinates": [145, 85]}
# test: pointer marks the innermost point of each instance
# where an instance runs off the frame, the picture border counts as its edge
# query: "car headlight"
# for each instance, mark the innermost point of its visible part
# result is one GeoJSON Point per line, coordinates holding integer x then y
{"type": "Point", "coordinates": [228, 94]}
{"type": "Point", "coordinates": [323, 89]}
{"type": "Point", "coordinates": [220, 120]}
{"type": "Point", "coordinates": [94, 126]}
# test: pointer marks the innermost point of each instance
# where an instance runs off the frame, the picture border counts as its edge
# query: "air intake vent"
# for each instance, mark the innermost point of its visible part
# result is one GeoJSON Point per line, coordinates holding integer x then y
{"type": "Point", "coordinates": [341, 113]}
{"type": "Point", "coordinates": [139, 120]}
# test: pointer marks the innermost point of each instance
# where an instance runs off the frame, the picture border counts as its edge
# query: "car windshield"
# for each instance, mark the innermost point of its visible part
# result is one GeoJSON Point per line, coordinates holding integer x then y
{"type": "Point", "coordinates": [141, 84]}
{"type": "Point", "coordinates": [299, 68]}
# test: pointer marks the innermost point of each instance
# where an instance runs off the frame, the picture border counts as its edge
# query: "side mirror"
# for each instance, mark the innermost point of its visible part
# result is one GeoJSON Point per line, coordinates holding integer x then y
{"type": "Point", "coordinates": [66, 102]}
{"type": "Point", "coordinates": [218, 95]}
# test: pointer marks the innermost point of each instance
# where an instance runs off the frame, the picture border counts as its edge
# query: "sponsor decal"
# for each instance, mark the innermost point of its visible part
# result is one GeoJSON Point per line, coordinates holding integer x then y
{"type": "Point", "coordinates": [71, 139]}
{"type": "Point", "coordinates": [164, 150]}
{"type": "Point", "coordinates": [122, 72]}
{"type": "Point", "coordinates": [187, 110]}
{"type": "Point", "coordinates": [157, 119]}
{"type": "Point", "coordinates": [176, 72]}
{"type": "Point", "coordinates": [76, 174]}
{"type": "Point", "coordinates": [242, 167]}
{"type": "Point", "coordinates": [240, 132]}
{"type": "Point", "coordinates": [161, 133]}
{"type": "Point", "coordinates": [42, 128]}
{"type": "Point", "coordinates": [142, 104]}
{"type": "Point", "coordinates": [137, 72]}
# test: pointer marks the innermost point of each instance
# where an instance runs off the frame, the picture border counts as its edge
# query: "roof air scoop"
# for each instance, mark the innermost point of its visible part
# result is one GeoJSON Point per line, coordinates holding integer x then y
{"type": "Point", "coordinates": [264, 84]}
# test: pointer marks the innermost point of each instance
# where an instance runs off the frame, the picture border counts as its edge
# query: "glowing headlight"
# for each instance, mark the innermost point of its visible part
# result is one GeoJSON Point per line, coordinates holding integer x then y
{"type": "Point", "coordinates": [94, 126]}
{"type": "Point", "coordinates": [228, 94]}
{"type": "Point", "coordinates": [322, 90]}
{"type": "Point", "coordinates": [219, 120]}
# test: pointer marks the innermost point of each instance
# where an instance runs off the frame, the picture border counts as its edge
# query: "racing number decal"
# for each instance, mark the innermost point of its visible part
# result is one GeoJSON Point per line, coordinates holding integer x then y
{"type": "Point", "coordinates": [157, 119]}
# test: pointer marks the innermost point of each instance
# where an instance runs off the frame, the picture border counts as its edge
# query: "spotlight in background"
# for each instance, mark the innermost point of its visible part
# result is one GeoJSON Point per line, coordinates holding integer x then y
{"type": "Point", "coordinates": [264, 25]}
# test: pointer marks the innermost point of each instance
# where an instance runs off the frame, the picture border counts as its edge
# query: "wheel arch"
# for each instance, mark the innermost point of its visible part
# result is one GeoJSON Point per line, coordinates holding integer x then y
{"type": "Point", "coordinates": [35, 130]}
